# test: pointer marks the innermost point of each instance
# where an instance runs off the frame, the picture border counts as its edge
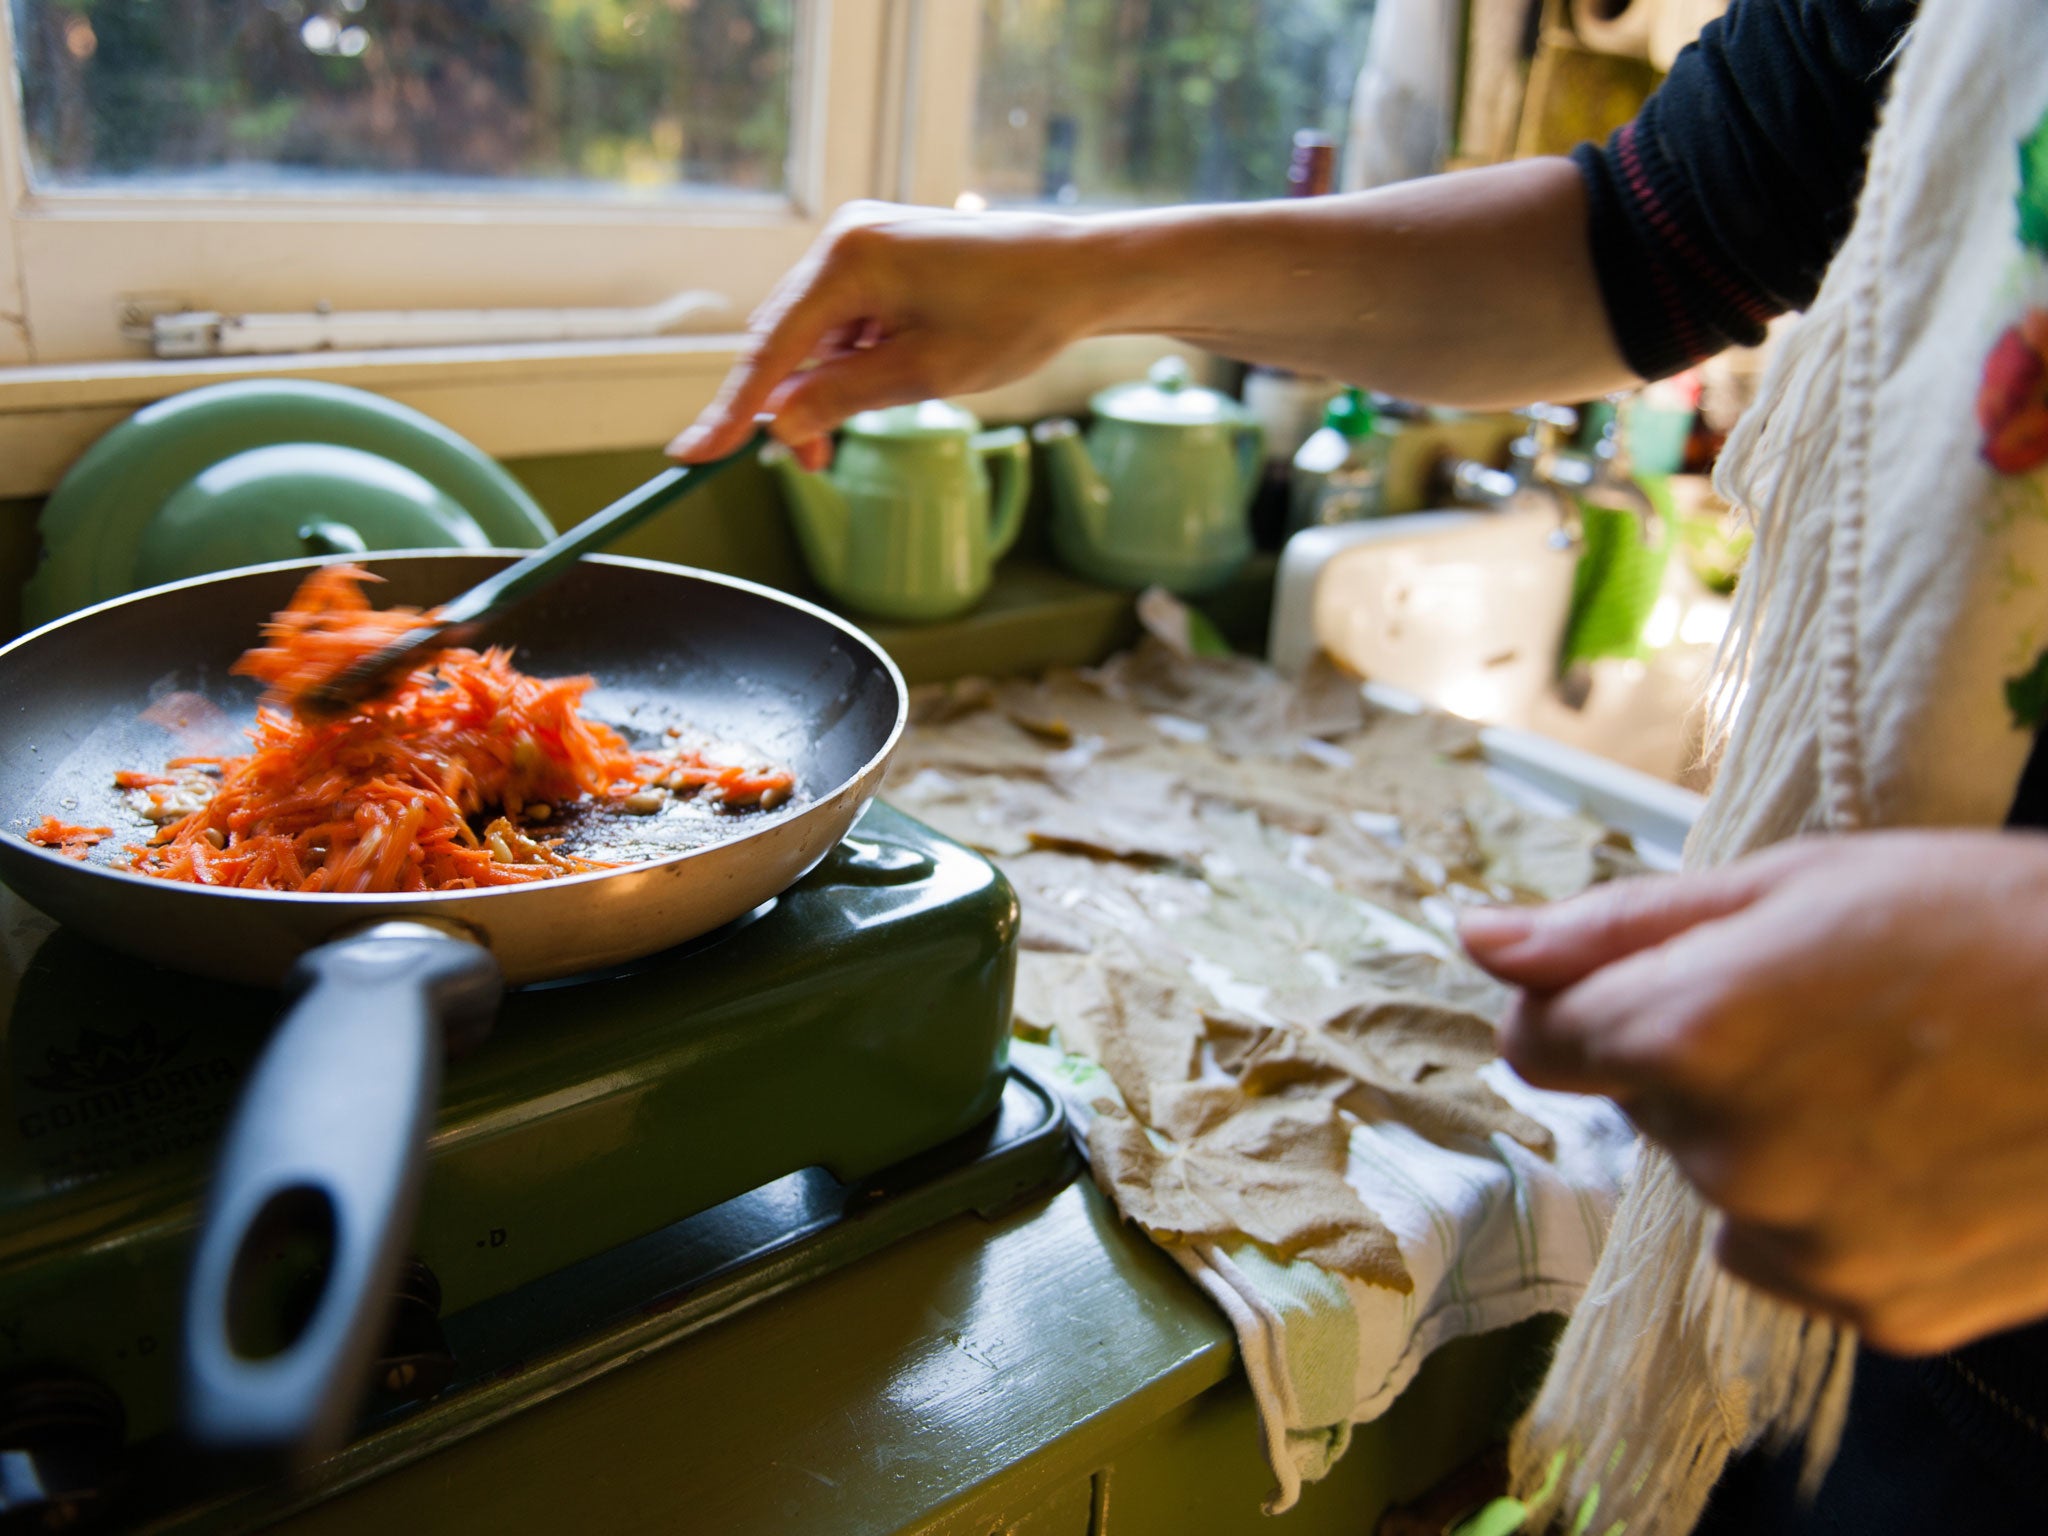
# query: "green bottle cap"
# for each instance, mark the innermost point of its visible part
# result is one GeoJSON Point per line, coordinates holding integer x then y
{"type": "Point", "coordinates": [1350, 414]}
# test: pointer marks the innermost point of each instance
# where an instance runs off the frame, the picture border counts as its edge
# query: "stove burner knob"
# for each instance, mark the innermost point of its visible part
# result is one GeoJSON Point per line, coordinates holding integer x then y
{"type": "Point", "coordinates": [415, 1363]}
{"type": "Point", "coordinates": [61, 1435]}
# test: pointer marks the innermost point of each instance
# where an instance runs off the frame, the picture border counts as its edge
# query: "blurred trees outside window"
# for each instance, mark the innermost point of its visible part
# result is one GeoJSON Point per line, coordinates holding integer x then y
{"type": "Point", "coordinates": [372, 96]}
{"type": "Point", "coordinates": [1079, 101]}
{"type": "Point", "coordinates": [1157, 101]}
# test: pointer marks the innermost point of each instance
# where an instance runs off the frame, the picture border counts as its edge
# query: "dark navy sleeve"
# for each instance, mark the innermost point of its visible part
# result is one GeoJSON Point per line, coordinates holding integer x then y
{"type": "Point", "coordinates": [1722, 203]}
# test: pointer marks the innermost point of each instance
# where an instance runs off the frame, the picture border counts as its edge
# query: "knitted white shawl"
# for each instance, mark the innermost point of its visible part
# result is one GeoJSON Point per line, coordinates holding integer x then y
{"type": "Point", "coordinates": [1898, 588]}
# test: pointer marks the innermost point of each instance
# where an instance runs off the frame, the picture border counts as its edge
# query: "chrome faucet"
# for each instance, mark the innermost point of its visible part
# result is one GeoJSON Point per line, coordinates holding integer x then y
{"type": "Point", "coordinates": [1537, 461]}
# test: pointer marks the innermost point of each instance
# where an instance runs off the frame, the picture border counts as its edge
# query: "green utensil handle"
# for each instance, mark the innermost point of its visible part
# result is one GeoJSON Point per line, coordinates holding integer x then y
{"type": "Point", "coordinates": [1007, 452]}
{"type": "Point", "coordinates": [461, 618]}
{"type": "Point", "coordinates": [628, 512]}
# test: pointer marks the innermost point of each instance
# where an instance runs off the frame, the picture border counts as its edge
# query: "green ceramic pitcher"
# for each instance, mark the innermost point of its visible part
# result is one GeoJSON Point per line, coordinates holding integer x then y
{"type": "Point", "coordinates": [918, 506]}
{"type": "Point", "coordinates": [1159, 493]}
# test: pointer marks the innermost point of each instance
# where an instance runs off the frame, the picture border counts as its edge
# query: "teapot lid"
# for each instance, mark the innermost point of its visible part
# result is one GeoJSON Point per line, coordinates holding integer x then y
{"type": "Point", "coordinates": [1167, 398]}
{"type": "Point", "coordinates": [927, 418]}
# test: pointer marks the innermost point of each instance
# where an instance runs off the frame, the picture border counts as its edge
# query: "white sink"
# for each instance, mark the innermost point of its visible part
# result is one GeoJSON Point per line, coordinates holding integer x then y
{"type": "Point", "coordinates": [1465, 610]}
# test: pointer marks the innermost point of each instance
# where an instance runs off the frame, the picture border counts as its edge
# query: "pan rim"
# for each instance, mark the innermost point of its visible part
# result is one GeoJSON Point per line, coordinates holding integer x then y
{"type": "Point", "coordinates": [386, 900]}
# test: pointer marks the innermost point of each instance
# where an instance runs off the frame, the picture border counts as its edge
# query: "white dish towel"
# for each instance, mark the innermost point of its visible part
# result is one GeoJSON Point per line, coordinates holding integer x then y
{"type": "Point", "coordinates": [1493, 1234]}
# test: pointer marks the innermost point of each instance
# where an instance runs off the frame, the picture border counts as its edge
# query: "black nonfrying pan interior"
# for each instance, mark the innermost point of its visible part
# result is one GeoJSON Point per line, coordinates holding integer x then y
{"type": "Point", "coordinates": [326, 1146]}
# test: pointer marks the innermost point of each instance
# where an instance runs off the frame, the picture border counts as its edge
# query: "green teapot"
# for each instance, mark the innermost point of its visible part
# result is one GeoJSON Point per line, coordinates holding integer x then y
{"type": "Point", "coordinates": [1159, 493]}
{"type": "Point", "coordinates": [918, 506]}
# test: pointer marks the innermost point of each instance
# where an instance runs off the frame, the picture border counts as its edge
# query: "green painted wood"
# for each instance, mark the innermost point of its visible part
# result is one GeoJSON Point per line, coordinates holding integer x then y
{"type": "Point", "coordinates": [967, 1375]}
{"type": "Point", "coordinates": [1200, 1468]}
{"type": "Point", "coordinates": [1048, 1374]}
{"type": "Point", "coordinates": [1069, 1512]}
{"type": "Point", "coordinates": [736, 526]}
{"type": "Point", "coordinates": [1038, 615]}
{"type": "Point", "coordinates": [19, 545]}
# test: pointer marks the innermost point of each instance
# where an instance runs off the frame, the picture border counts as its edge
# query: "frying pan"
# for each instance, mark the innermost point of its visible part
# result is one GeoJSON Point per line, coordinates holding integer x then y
{"type": "Point", "coordinates": [327, 1141]}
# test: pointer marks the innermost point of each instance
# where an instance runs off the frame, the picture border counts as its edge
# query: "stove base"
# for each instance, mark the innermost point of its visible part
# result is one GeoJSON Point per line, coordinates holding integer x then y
{"type": "Point", "coordinates": [525, 1347]}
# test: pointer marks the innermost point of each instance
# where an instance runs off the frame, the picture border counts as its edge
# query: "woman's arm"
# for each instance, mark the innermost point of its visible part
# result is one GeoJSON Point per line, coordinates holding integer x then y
{"type": "Point", "coordinates": [1719, 207]}
{"type": "Point", "coordinates": [1473, 289]}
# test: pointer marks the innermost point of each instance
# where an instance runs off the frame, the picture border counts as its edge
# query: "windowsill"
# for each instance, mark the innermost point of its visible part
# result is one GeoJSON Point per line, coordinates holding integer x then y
{"type": "Point", "coordinates": [513, 401]}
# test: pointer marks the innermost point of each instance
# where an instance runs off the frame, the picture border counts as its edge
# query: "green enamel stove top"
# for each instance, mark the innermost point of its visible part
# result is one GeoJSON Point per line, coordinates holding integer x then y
{"type": "Point", "coordinates": [836, 1035]}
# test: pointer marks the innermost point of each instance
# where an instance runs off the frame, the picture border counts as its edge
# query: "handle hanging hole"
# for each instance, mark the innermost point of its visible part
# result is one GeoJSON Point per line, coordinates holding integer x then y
{"type": "Point", "coordinates": [280, 1272]}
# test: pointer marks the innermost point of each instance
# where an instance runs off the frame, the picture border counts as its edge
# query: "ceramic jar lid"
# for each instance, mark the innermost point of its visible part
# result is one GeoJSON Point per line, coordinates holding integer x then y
{"type": "Point", "coordinates": [927, 418]}
{"type": "Point", "coordinates": [1167, 397]}
{"type": "Point", "coordinates": [261, 470]}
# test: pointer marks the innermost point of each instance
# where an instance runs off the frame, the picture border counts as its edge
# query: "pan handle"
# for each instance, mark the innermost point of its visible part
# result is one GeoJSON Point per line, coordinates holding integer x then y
{"type": "Point", "coordinates": [318, 1179]}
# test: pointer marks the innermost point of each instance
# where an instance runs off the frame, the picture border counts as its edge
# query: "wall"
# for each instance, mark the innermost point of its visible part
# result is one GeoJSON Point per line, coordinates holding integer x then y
{"type": "Point", "coordinates": [1037, 616]}
{"type": "Point", "coordinates": [17, 559]}
{"type": "Point", "coordinates": [735, 525]}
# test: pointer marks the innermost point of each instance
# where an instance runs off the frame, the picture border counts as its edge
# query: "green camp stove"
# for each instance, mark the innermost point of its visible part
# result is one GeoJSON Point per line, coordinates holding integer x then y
{"type": "Point", "coordinates": [628, 1156]}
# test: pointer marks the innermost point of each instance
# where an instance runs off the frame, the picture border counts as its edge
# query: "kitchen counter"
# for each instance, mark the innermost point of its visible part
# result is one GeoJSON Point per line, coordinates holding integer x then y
{"type": "Point", "coordinates": [1050, 1373]}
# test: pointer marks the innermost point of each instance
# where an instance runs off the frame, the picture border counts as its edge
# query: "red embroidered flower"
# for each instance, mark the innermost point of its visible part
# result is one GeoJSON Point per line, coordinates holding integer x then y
{"type": "Point", "coordinates": [2012, 402]}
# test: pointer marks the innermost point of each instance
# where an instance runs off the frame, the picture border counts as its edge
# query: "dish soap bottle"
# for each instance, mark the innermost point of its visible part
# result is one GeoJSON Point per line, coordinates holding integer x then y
{"type": "Point", "coordinates": [1288, 405]}
{"type": "Point", "coordinates": [1340, 473]}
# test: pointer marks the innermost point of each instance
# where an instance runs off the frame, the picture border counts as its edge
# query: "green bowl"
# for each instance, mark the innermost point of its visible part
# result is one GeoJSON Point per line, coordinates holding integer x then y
{"type": "Point", "coordinates": [243, 474]}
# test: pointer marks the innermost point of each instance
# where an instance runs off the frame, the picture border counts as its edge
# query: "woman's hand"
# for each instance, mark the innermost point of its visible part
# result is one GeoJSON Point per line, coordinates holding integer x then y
{"type": "Point", "coordinates": [894, 305]}
{"type": "Point", "coordinates": [1844, 1044]}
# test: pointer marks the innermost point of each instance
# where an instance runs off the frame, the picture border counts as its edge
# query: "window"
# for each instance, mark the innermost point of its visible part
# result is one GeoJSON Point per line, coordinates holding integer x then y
{"type": "Point", "coordinates": [248, 97]}
{"type": "Point", "coordinates": [1155, 101]}
{"type": "Point", "coordinates": [285, 155]}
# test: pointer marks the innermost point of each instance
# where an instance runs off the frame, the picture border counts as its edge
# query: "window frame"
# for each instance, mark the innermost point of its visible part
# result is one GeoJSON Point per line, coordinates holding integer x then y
{"type": "Point", "coordinates": [883, 104]}
{"type": "Point", "coordinates": [88, 259]}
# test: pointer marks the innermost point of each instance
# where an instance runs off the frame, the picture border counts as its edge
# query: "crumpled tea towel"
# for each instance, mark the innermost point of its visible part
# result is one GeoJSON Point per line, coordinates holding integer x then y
{"type": "Point", "coordinates": [1490, 1238]}
{"type": "Point", "coordinates": [1238, 894]}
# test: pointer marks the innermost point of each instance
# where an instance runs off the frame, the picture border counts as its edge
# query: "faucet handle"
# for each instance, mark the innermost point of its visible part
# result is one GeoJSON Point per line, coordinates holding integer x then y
{"type": "Point", "coordinates": [1467, 482]}
{"type": "Point", "coordinates": [1559, 418]}
{"type": "Point", "coordinates": [1533, 457]}
{"type": "Point", "coordinates": [1549, 426]}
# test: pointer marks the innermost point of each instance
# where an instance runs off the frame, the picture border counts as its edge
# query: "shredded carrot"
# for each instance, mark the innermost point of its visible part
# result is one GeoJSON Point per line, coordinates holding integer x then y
{"type": "Point", "coordinates": [422, 789]}
{"type": "Point", "coordinates": [328, 625]}
{"type": "Point", "coordinates": [69, 840]}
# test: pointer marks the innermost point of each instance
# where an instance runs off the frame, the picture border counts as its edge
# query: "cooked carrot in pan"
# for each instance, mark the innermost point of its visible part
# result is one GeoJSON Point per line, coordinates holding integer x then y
{"type": "Point", "coordinates": [68, 840]}
{"type": "Point", "coordinates": [423, 789]}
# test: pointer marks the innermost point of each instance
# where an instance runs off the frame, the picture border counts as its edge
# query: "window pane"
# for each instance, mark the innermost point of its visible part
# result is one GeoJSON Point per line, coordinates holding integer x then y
{"type": "Point", "coordinates": [1157, 101]}
{"type": "Point", "coordinates": [382, 96]}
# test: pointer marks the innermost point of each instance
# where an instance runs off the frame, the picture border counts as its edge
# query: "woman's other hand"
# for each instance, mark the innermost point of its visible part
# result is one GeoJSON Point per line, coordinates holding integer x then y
{"type": "Point", "coordinates": [1844, 1044]}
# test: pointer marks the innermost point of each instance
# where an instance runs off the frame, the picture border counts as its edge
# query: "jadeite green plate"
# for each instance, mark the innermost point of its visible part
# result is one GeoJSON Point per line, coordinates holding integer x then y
{"type": "Point", "coordinates": [240, 474]}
